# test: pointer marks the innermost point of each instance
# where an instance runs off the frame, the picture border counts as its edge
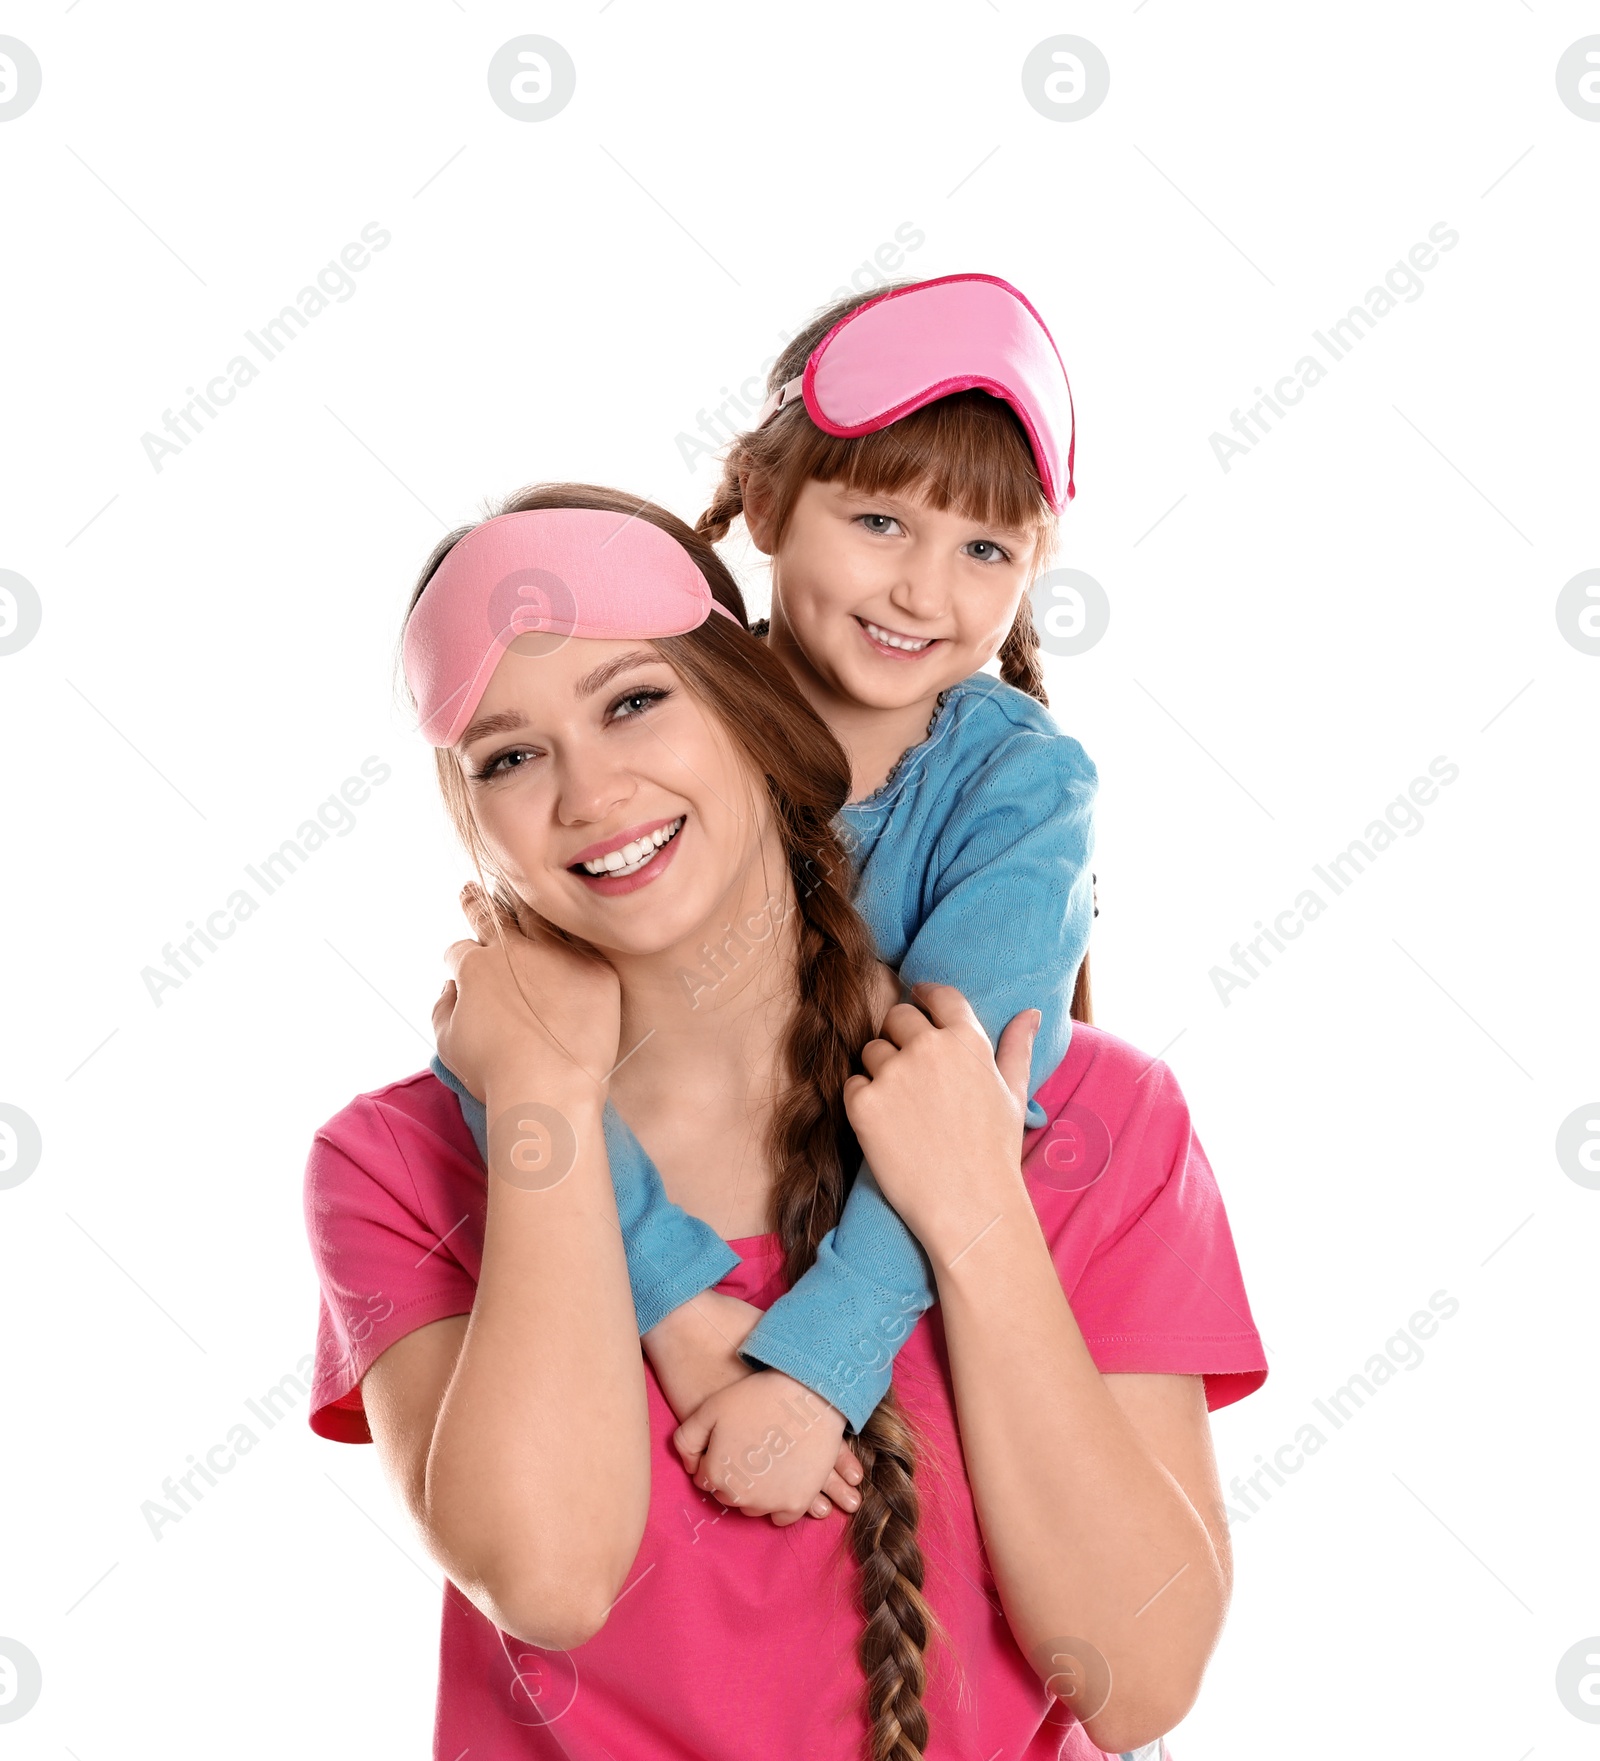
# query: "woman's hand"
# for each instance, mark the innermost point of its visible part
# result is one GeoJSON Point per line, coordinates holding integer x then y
{"type": "Point", "coordinates": [940, 1117]}
{"type": "Point", "coordinates": [518, 997]}
{"type": "Point", "coordinates": [768, 1446]}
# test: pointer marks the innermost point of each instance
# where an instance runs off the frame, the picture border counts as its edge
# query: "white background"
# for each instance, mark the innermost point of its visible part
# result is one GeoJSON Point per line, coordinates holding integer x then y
{"type": "Point", "coordinates": [1372, 587]}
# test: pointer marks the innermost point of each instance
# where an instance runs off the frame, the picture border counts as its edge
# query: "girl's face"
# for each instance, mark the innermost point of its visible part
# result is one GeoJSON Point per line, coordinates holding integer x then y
{"type": "Point", "coordinates": [610, 798]}
{"type": "Point", "coordinates": [891, 599]}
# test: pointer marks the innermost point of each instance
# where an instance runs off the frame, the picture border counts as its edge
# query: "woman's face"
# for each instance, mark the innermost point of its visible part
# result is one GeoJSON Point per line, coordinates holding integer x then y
{"type": "Point", "coordinates": [610, 797]}
{"type": "Point", "coordinates": [891, 599]}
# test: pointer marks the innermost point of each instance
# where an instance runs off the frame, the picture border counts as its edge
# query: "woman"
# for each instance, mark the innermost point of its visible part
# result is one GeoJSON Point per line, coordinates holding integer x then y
{"type": "Point", "coordinates": [1049, 1510]}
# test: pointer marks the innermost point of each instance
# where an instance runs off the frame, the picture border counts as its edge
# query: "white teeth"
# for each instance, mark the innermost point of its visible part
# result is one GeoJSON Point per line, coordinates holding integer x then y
{"type": "Point", "coordinates": [911, 644]}
{"type": "Point", "coordinates": [632, 857]}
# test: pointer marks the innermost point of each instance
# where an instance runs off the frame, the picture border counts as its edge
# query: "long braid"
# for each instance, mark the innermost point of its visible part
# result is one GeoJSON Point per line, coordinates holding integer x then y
{"type": "Point", "coordinates": [811, 1142]}
{"type": "Point", "coordinates": [883, 1537]}
{"type": "Point", "coordinates": [810, 1131]}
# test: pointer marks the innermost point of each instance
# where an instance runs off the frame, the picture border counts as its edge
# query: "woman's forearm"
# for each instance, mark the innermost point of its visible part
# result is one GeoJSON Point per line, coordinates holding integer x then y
{"type": "Point", "coordinates": [1088, 1535]}
{"type": "Point", "coordinates": [538, 1479]}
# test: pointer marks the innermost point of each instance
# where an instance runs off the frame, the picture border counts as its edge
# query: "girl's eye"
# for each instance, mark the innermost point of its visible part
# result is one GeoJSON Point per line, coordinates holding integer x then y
{"type": "Point", "coordinates": [991, 552]}
{"type": "Point", "coordinates": [878, 523]}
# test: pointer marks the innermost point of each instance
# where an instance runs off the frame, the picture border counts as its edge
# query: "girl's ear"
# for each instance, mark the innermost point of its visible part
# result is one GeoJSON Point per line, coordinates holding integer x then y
{"type": "Point", "coordinates": [756, 495]}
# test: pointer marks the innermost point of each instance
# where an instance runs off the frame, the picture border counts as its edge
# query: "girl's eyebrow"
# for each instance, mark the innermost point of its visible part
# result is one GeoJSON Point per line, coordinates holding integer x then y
{"type": "Point", "coordinates": [1018, 534]}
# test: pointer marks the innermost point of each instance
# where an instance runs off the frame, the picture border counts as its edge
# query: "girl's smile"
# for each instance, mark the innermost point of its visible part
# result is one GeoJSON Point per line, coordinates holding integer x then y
{"type": "Point", "coordinates": [896, 644]}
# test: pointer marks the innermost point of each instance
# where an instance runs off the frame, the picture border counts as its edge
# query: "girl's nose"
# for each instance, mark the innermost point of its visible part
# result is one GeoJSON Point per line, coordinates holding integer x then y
{"type": "Point", "coordinates": [923, 590]}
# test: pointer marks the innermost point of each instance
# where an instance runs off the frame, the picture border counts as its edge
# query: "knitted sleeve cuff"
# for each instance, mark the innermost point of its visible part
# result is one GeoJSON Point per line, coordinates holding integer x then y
{"type": "Point", "coordinates": [671, 1255]}
{"type": "Point", "coordinates": [838, 1332]}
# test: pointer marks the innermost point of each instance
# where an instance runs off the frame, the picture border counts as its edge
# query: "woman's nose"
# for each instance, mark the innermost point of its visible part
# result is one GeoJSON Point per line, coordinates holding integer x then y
{"type": "Point", "coordinates": [590, 788]}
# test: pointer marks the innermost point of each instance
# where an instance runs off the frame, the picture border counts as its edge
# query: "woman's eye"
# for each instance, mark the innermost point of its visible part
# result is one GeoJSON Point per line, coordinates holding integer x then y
{"type": "Point", "coordinates": [502, 764]}
{"type": "Point", "coordinates": [636, 702]}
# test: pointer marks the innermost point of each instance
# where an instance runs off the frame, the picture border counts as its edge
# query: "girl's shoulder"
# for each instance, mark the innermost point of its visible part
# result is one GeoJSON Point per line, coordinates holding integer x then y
{"type": "Point", "coordinates": [989, 746]}
{"type": "Point", "coordinates": [989, 726]}
{"type": "Point", "coordinates": [982, 694]}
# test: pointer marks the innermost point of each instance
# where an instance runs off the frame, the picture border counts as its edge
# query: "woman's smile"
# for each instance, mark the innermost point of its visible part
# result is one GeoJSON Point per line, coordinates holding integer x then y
{"type": "Point", "coordinates": [629, 859]}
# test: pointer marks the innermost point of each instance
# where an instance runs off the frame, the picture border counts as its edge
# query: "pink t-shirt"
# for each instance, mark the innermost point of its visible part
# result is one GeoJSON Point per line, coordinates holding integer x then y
{"type": "Point", "coordinates": [733, 1638]}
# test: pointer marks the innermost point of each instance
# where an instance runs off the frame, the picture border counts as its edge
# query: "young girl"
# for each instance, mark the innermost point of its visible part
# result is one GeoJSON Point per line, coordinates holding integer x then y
{"type": "Point", "coordinates": [905, 479]}
{"type": "Point", "coordinates": [480, 1325]}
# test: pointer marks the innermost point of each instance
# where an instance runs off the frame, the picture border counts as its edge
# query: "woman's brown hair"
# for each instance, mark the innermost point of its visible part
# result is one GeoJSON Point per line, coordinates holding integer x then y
{"type": "Point", "coordinates": [967, 451]}
{"type": "Point", "coordinates": [810, 1141]}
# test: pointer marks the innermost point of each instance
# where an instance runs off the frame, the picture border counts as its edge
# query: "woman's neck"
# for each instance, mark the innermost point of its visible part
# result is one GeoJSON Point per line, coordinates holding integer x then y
{"type": "Point", "coordinates": [701, 1055]}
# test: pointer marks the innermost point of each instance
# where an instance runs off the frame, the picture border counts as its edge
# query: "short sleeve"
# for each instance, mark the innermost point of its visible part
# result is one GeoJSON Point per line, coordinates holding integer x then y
{"type": "Point", "coordinates": [383, 1267]}
{"type": "Point", "coordinates": [1160, 1291]}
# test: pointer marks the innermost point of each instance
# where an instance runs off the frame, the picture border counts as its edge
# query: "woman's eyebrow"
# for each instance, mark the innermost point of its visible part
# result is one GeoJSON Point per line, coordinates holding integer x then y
{"type": "Point", "coordinates": [509, 719]}
{"type": "Point", "coordinates": [608, 670]}
{"type": "Point", "coordinates": [502, 723]}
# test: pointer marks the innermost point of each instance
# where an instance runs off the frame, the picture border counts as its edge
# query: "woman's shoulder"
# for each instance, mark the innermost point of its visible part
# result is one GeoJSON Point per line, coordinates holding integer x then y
{"type": "Point", "coordinates": [1136, 1223]}
{"type": "Point", "coordinates": [1116, 1107]}
{"type": "Point", "coordinates": [1114, 1078]}
{"type": "Point", "coordinates": [394, 1206]}
{"type": "Point", "coordinates": [390, 1131]}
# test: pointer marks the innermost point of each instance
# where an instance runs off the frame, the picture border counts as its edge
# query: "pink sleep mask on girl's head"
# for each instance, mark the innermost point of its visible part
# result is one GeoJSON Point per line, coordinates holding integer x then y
{"type": "Point", "coordinates": [550, 573]}
{"type": "Point", "coordinates": [914, 344]}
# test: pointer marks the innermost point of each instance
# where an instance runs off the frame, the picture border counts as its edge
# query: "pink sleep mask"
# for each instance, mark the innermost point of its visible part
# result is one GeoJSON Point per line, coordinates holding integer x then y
{"type": "Point", "coordinates": [914, 344]}
{"type": "Point", "coordinates": [548, 574]}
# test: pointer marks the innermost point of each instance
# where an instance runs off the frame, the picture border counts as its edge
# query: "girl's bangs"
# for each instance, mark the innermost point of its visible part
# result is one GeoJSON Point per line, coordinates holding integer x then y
{"type": "Point", "coordinates": [968, 452]}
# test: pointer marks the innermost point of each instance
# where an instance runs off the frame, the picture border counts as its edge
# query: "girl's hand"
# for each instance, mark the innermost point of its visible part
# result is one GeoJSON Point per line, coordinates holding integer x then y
{"type": "Point", "coordinates": [694, 1351]}
{"type": "Point", "coordinates": [940, 1117]}
{"type": "Point", "coordinates": [768, 1446]}
{"type": "Point", "coordinates": [519, 997]}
